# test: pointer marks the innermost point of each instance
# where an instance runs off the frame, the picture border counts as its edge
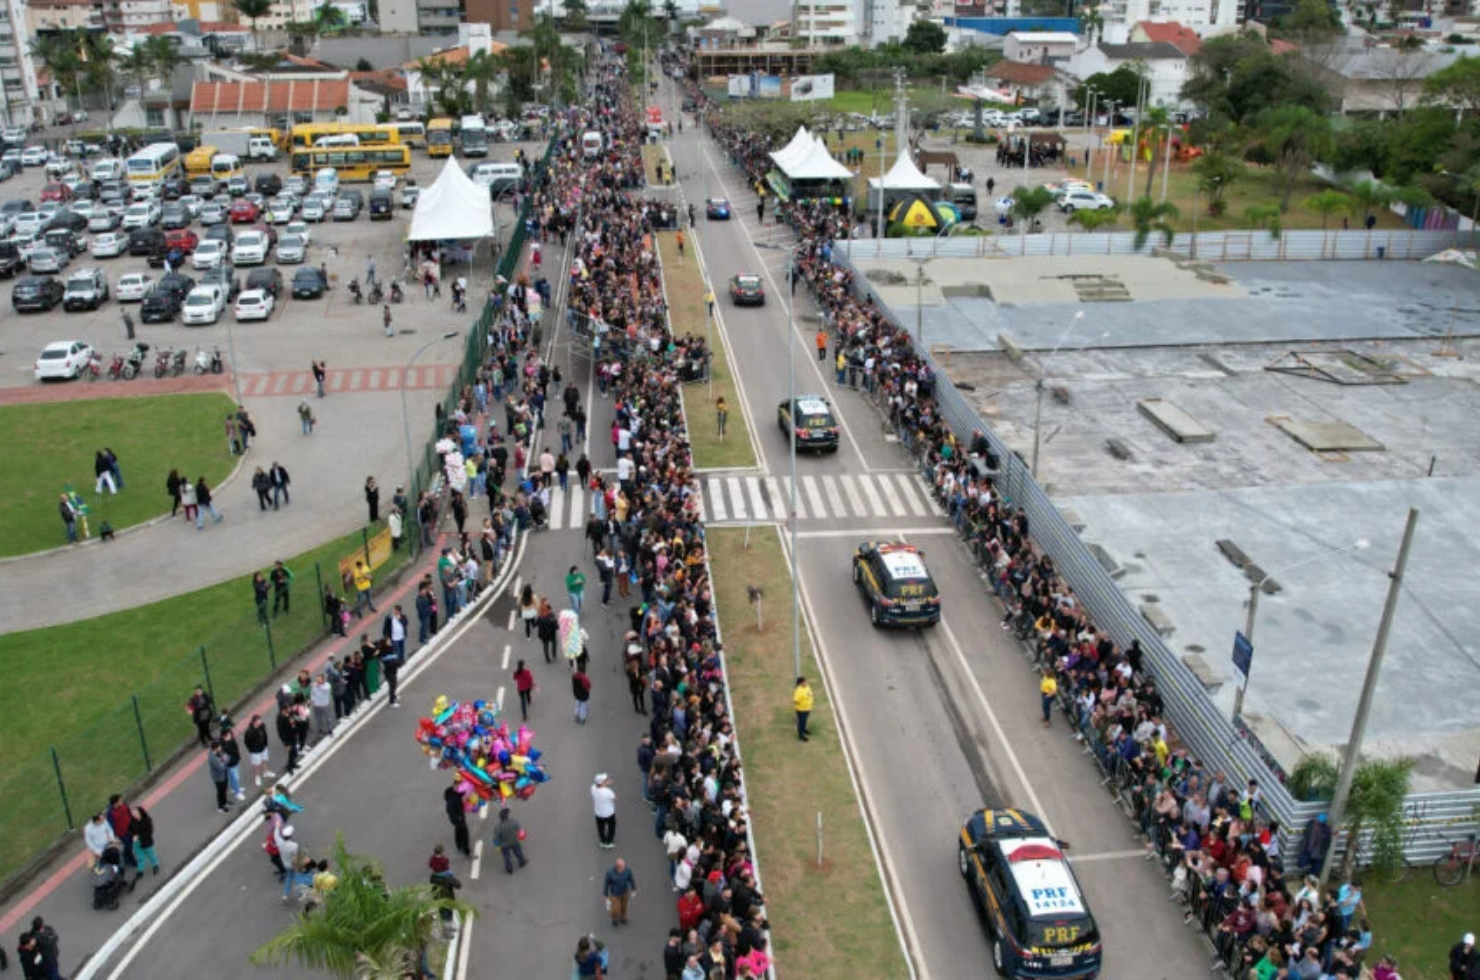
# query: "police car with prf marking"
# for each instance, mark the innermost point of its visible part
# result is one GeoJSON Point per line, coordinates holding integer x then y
{"type": "Point", "coordinates": [817, 429]}
{"type": "Point", "coordinates": [1028, 896]}
{"type": "Point", "coordinates": [896, 585]}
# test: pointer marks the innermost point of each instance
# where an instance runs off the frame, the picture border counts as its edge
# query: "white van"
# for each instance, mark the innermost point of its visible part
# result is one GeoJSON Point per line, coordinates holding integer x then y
{"type": "Point", "coordinates": [338, 139]}
{"type": "Point", "coordinates": [497, 176]}
{"type": "Point", "coordinates": [225, 166]}
{"type": "Point", "coordinates": [592, 144]}
{"type": "Point", "coordinates": [107, 170]}
{"type": "Point", "coordinates": [326, 181]}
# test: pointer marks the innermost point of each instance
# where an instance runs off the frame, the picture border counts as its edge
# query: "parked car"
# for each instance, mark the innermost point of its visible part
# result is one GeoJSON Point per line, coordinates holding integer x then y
{"type": "Point", "coordinates": [208, 254]}
{"type": "Point", "coordinates": [56, 192]}
{"type": "Point", "coordinates": [36, 293]}
{"type": "Point", "coordinates": [212, 213]}
{"type": "Point", "coordinates": [162, 302]}
{"type": "Point", "coordinates": [104, 221]}
{"type": "Point", "coordinates": [237, 186]}
{"type": "Point", "coordinates": [254, 304]}
{"type": "Point", "coordinates": [250, 249]}
{"type": "Point", "coordinates": [313, 208]}
{"type": "Point", "coordinates": [108, 245]}
{"type": "Point", "coordinates": [204, 305]}
{"type": "Point", "coordinates": [34, 156]}
{"type": "Point", "coordinates": [347, 205]}
{"type": "Point", "coordinates": [244, 212]}
{"type": "Point", "coordinates": [224, 275]}
{"type": "Point", "coordinates": [192, 205]}
{"type": "Point", "coordinates": [67, 219]}
{"type": "Point", "coordinates": [291, 250]}
{"type": "Point", "coordinates": [181, 240]}
{"type": "Point", "coordinates": [141, 215]}
{"type": "Point", "coordinates": [48, 260]}
{"type": "Point", "coordinates": [1079, 200]}
{"type": "Point", "coordinates": [11, 260]}
{"type": "Point", "coordinates": [410, 193]}
{"type": "Point", "coordinates": [268, 279]}
{"type": "Point", "coordinates": [268, 183]}
{"type": "Point", "coordinates": [132, 286]}
{"type": "Point", "coordinates": [308, 283]}
{"type": "Point", "coordinates": [87, 289]}
{"type": "Point", "coordinates": [145, 241]}
{"type": "Point", "coordinates": [173, 215]}
{"type": "Point", "coordinates": [62, 359]}
{"type": "Point", "coordinates": [281, 210]}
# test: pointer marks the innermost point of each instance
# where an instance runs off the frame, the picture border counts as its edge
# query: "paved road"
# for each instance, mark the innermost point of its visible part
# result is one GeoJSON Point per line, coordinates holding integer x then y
{"type": "Point", "coordinates": [943, 721]}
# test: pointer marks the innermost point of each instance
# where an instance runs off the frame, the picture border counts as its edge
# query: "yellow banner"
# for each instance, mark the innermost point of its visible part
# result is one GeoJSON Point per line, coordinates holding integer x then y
{"type": "Point", "coordinates": [380, 553]}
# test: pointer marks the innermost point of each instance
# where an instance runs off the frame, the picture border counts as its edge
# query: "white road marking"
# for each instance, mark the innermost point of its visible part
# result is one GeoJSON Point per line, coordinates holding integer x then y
{"type": "Point", "coordinates": [507, 650]}
{"type": "Point", "coordinates": [834, 497]}
{"type": "Point", "coordinates": [907, 490]}
{"type": "Point", "coordinates": [577, 506]}
{"type": "Point", "coordinates": [499, 698]}
{"type": "Point", "coordinates": [786, 489]}
{"type": "Point", "coordinates": [855, 500]}
{"type": "Point", "coordinates": [757, 502]}
{"type": "Point", "coordinates": [464, 945]}
{"type": "Point", "coordinates": [512, 614]}
{"type": "Point", "coordinates": [814, 496]}
{"type": "Point", "coordinates": [929, 492]}
{"type": "Point", "coordinates": [737, 498]}
{"type": "Point", "coordinates": [896, 507]}
{"type": "Point", "coordinates": [477, 867]}
{"type": "Point", "coordinates": [778, 500]}
{"type": "Point", "coordinates": [717, 498]}
{"type": "Point", "coordinates": [875, 505]}
{"type": "Point", "coordinates": [862, 533]}
{"type": "Point", "coordinates": [557, 509]}
{"type": "Point", "coordinates": [1106, 856]}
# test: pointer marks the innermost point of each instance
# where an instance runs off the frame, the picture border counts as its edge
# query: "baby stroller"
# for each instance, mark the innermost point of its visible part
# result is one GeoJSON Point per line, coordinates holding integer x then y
{"type": "Point", "coordinates": [107, 880]}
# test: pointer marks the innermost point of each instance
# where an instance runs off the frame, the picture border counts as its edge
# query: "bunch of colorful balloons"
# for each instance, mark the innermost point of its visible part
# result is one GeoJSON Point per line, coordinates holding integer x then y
{"type": "Point", "coordinates": [491, 763]}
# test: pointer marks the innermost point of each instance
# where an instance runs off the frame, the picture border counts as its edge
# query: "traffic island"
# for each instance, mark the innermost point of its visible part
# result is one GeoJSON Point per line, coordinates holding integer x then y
{"type": "Point", "coordinates": [654, 156]}
{"type": "Point", "coordinates": [829, 919]}
{"type": "Point", "coordinates": [683, 281]}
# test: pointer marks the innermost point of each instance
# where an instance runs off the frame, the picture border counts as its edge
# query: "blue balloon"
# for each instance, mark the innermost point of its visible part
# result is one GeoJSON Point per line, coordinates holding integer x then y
{"type": "Point", "coordinates": [534, 754]}
{"type": "Point", "coordinates": [521, 782]}
{"type": "Point", "coordinates": [505, 756]}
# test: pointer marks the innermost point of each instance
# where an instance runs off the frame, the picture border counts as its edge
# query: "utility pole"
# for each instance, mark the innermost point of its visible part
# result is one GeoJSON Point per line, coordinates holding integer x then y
{"type": "Point", "coordinates": [1369, 688]}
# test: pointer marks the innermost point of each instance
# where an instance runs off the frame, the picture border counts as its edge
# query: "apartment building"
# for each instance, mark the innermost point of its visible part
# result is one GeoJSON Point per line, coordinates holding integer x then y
{"type": "Point", "coordinates": [825, 23]}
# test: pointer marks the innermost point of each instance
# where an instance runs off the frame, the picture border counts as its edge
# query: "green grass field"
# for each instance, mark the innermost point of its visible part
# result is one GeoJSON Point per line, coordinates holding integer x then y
{"type": "Point", "coordinates": [59, 441]}
{"type": "Point", "coordinates": [868, 102]}
{"type": "Point", "coordinates": [1417, 920]}
{"type": "Point", "coordinates": [76, 688]}
{"type": "Point", "coordinates": [830, 922]}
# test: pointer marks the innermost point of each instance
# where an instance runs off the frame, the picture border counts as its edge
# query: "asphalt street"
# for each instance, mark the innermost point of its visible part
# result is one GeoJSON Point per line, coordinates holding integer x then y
{"type": "Point", "coordinates": [942, 721]}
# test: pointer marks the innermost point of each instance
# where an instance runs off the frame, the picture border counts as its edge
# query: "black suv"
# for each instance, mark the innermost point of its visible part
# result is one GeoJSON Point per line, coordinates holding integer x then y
{"type": "Point", "coordinates": [382, 205]}
{"type": "Point", "coordinates": [268, 184]}
{"type": "Point", "coordinates": [65, 240]}
{"type": "Point", "coordinates": [68, 219]}
{"type": "Point", "coordinates": [145, 241]}
{"type": "Point", "coordinates": [164, 298]}
{"type": "Point", "coordinates": [36, 293]}
{"type": "Point", "coordinates": [10, 260]}
{"type": "Point", "coordinates": [174, 188]}
{"type": "Point", "coordinates": [266, 278]}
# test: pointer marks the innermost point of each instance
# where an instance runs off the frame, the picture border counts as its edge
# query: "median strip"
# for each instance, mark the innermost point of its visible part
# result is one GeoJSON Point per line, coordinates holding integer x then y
{"type": "Point", "coordinates": [683, 281]}
{"type": "Point", "coordinates": [829, 920]}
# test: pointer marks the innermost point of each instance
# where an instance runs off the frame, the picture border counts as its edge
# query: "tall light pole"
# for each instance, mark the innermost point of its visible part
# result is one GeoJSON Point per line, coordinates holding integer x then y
{"type": "Point", "coordinates": [1257, 586]}
{"type": "Point", "coordinates": [406, 415]}
{"type": "Point", "coordinates": [1369, 688]}
{"type": "Point", "coordinates": [1042, 376]}
{"type": "Point", "coordinates": [791, 347]}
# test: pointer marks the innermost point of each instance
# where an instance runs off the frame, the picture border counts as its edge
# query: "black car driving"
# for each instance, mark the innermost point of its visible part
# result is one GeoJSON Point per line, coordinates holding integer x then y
{"type": "Point", "coordinates": [895, 583]}
{"type": "Point", "coordinates": [812, 417]}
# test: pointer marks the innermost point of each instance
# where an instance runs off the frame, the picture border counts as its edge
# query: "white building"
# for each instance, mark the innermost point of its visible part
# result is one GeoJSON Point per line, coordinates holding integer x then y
{"type": "Point", "coordinates": [887, 21]}
{"type": "Point", "coordinates": [1166, 64]}
{"type": "Point", "coordinates": [1039, 47]}
{"type": "Point", "coordinates": [1205, 17]}
{"type": "Point", "coordinates": [827, 23]}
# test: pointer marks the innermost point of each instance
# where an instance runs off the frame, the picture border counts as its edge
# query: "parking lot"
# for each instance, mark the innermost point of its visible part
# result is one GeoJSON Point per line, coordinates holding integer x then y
{"type": "Point", "coordinates": [332, 327]}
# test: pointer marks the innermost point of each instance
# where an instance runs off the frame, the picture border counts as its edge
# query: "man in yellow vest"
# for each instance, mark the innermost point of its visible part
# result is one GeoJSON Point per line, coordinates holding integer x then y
{"type": "Point", "coordinates": [801, 700]}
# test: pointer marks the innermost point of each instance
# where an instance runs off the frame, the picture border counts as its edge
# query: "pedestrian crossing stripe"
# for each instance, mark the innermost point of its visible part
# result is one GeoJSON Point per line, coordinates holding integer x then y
{"type": "Point", "coordinates": [844, 496]}
{"type": "Point", "coordinates": [296, 384]}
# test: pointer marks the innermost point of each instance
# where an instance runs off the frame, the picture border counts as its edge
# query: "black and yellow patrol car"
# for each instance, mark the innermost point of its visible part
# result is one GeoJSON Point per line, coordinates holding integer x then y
{"type": "Point", "coordinates": [817, 428]}
{"type": "Point", "coordinates": [1028, 896]}
{"type": "Point", "coordinates": [896, 585]}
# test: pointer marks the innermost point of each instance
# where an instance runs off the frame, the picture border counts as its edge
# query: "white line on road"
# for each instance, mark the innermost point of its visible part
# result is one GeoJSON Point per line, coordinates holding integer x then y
{"type": "Point", "coordinates": [513, 613]}
{"type": "Point", "coordinates": [717, 498]}
{"type": "Point", "coordinates": [757, 502]}
{"type": "Point", "coordinates": [814, 496]}
{"type": "Point", "coordinates": [1106, 856]}
{"type": "Point", "coordinates": [507, 650]}
{"type": "Point", "coordinates": [834, 497]}
{"type": "Point", "coordinates": [907, 488]}
{"type": "Point", "coordinates": [557, 509]}
{"type": "Point", "coordinates": [464, 945]}
{"type": "Point", "coordinates": [737, 498]}
{"type": "Point", "coordinates": [477, 868]}
{"type": "Point", "coordinates": [864, 532]}
{"type": "Point", "coordinates": [499, 698]}
{"type": "Point", "coordinates": [855, 500]}
{"type": "Point", "coordinates": [875, 505]}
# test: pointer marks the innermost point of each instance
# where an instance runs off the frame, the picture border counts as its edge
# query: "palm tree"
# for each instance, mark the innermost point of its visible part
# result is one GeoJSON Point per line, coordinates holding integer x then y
{"type": "Point", "coordinates": [1293, 136]}
{"type": "Point", "coordinates": [1158, 124]}
{"type": "Point", "coordinates": [1368, 196]}
{"type": "Point", "coordinates": [1149, 217]}
{"type": "Point", "coordinates": [361, 917]}
{"type": "Point", "coordinates": [1090, 220]}
{"type": "Point", "coordinates": [253, 10]}
{"type": "Point", "coordinates": [670, 16]}
{"type": "Point", "coordinates": [482, 70]}
{"type": "Point", "coordinates": [137, 65]}
{"type": "Point", "coordinates": [1327, 203]}
{"type": "Point", "coordinates": [1029, 202]}
{"type": "Point", "coordinates": [1216, 171]}
{"type": "Point", "coordinates": [61, 51]}
{"type": "Point", "coordinates": [164, 57]}
{"type": "Point", "coordinates": [1375, 805]}
{"type": "Point", "coordinates": [575, 15]}
{"type": "Point", "coordinates": [329, 19]}
{"type": "Point", "coordinates": [1265, 216]}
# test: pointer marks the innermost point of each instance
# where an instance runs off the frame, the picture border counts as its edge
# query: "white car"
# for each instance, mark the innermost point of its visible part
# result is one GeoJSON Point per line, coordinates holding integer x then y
{"type": "Point", "coordinates": [63, 359]}
{"type": "Point", "coordinates": [208, 254]}
{"type": "Point", "coordinates": [254, 304]}
{"type": "Point", "coordinates": [108, 245]}
{"type": "Point", "coordinates": [192, 204]}
{"type": "Point", "coordinates": [28, 223]}
{"type": "Point", "coordinates": [301, 229]}
{"type": "Point", "coordinates": [132, 286]}
{"type": "Point", "coordinates": [291, 249]}
{"type": "Point", "coordinates": [1085, 201]}
{"type": "Point", "coordinates": [280, 210]}
{"type": "Point", "coordinates": [34, 156]}
{"type": "Point", "coordinates": [205, 304]}
{"type": "Point", "coordinates": [1059, 190]}
{"type": "Point", "coordinates": [12, 156]}
{"type": "Point", "coordinates": [384, 181]}
{"type": "Point", "coordinates": [141, 215]}
{"type": "Point", "coordinates": [84, 208]}
{"type": "Point", "coordinates": [104, 219]}
{"type": "Point", "coordinates": [250, 248]}
{"type": "Point", "coordinates": [313, 208]}
{"type": "Point", "coordinates": [48, 208]}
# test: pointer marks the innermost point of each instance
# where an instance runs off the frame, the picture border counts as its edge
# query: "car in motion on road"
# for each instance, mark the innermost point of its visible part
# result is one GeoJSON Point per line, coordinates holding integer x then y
{"type": "Point", "coordinates": [746, 290]}
{"type": "Point", "coordinates": [717, 209]}
{"type": "Point", "coordinates": [812, 417]}
{"type": "Point", "coordinates": [1026, 893]}
{"type": "Point", "coordinates": [895, 584]}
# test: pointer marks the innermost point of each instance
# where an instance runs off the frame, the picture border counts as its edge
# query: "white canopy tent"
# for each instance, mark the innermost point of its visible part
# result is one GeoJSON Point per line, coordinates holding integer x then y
{"type": "Point", "coordinates": [799, 145]}
{"type": "Point", "coordinates": [453, 208]}
{"type": "Point", "coordinates": [904, 176]}
{"type": "Point", "coordinates": [815, 164]}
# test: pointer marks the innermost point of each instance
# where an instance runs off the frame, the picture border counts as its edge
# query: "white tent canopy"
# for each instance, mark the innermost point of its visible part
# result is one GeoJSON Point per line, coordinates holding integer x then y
{"type": "Point", "coordinates": [452, 208]}
{"type": "Point", "coordinates": [816, 163]}
{"type": "Point", "coordinates": [799, 145]}
{"type": "Point", "coordinates": [905, 176]}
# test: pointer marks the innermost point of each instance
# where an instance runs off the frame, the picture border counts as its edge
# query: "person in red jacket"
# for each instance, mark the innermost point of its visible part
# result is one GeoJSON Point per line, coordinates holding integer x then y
{"type": "Point", "coordinates": [690, 909]}
{"type": "Point", "coordinates": [119, 818]}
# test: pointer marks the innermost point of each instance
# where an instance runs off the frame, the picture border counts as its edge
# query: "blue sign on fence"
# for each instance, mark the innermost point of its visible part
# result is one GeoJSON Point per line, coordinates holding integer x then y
{"type": "Point", "coordinates": [1243, 655]}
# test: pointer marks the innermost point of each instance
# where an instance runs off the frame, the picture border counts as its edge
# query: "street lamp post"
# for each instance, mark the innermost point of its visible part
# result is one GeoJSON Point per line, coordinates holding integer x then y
{"type": "Point", "coordinates": [1257, 586]}
{"type": "Point", "coordinates": [1043, 376]}
{"type": "Point", "coordinates": [1369, 688]}
{"type": "Point", "coordinates": [405, 414]}
{"type": "Point", "coordinates": [791, 347]}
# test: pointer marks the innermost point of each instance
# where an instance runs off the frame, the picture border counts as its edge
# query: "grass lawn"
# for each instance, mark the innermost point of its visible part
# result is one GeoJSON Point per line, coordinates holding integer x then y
{"type": "Point", "coordinates": [684, 285]}
{"type": "Point", "coordinates": [880, 100]}
{"type": "Point", "coordinates": [1258, 189]}
{"type": "Point", "coordinates": [59, 441]}
{"type": "Point", "coordinates": [76, 687]}
{"type": "Point", "coordinates": [1417, 920]}
{"type": "Point", "coordinates": [830, 922]}
{"type": "Point", "coordinates": [652, 155]}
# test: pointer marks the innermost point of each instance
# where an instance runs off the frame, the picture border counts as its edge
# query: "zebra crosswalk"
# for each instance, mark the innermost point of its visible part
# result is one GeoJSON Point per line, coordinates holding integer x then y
{"type": "Point", "coordinates": [843, 496]}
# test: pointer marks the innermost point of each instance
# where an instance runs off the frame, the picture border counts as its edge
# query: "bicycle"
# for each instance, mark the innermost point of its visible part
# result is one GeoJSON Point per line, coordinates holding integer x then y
{"type": "Point", "coordinates": [1456, 866]}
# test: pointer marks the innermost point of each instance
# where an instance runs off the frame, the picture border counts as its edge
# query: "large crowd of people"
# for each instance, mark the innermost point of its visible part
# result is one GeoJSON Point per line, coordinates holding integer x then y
{"type": "Point", "coordinates": [1214, 838]}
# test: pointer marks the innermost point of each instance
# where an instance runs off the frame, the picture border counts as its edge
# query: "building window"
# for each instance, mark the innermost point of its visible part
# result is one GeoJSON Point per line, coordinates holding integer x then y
{"type": "Point", "coordinates": [154, 118]}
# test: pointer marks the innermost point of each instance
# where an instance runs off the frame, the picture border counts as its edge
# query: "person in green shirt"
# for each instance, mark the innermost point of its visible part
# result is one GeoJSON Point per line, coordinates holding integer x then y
{"type": "Point", "coordinates": [575, 587]}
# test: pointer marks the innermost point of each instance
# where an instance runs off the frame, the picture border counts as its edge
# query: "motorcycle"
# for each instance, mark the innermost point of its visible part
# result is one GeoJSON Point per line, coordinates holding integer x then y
{"type": "Point", "coordinates": [396, 294]}
{"type": "Point", "coordinates": [354, 290]}
{"type": "Point", "coordinates": [162, 362]}
{"type": "Point", "coordinates": [115, 370]}
{"type": "Point", "coordinates": [208, 362]}
{"type": "Point", "coordinates": [376, 294]}
{"type": "Point", "coordinates": [135, 362]}
{"type": "Point", "coordinates": [178, 367]}
{"type": "Point", "coordinates": [94, 366]}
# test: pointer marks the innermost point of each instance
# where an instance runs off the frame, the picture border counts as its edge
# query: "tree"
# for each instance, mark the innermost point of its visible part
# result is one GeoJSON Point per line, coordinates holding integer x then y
{"type": "Point", "coordinates": [329, 19]}
{"type": "Point", "coordinates": [1326, 203]}
{"type": "Point", "coordinates": [1457, 85]}
{"type": "Point", "coordinates": [364, 65]}
{"type": "Point", "coordinates": [260, 60]}
{"type": "Point", "coordinates": [1029, 202]}
{"type": "Point", "coordinates": [1235, 77]}
{"type": "Point", "coordinates": [1149, 217]}
{"type": "Point", "coordinates": [1216, 171]}
{"type": "Point", "coordinates": [1157, 125]}
{"type": "Point", "coordinates": [1293, 137]}
{"type": "Point", "coordinates": [1090, 220]}
{"type": "Point", "coordinates": [575, 15]}
{"type": "Point", "coordinates": [1367, 196]}
{"type": "Point", "coordinates": [137, 66]}
{"type": "Point", "coordinates": [1121, 86]}
{"type": "Point", "coordinates": [637, 25]}
{"type": "Point", "coordinates": [360, 916]}
{"type": "Point", "coordinates": [1266, 216]}
{"type": "Point", "coordinates": [1375, 806]}
{"type": "Point", "coordinates": [925, 37]}
{"type": "Point", "coordinates": [670, 16]}
{"type": "Point", "coordinates": [481, 70]}
{"type": "Point", "coordinates": [1091, 23]}
{"type": "Point", "coordinates": [252, 10]}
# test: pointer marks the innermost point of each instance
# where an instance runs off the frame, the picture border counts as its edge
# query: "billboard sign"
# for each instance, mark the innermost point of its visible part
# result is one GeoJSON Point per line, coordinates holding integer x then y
{"type": "Point", "coordinates": [739, 86]}
{"type": "Point", "coordinates": [767, 87]}
{"type": "Point", "coordinates": [805, 88]}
